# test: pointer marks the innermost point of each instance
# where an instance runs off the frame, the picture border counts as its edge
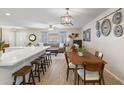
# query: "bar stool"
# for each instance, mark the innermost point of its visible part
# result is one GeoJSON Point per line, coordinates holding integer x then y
{"type": "Point", "coordinates": [45, 60]}
{"type": "Point", "coordinates": [43, 64]}
{"type": "Point", "coordinates": [23, 72]}
{"type": "Point", "coordinates": [38, 67]}
{"type": "Point", "coordinates": [49, 59]}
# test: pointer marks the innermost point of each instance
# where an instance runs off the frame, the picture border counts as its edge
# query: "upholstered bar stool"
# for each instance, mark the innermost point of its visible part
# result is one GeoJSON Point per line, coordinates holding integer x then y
{"type": "Point", "coordinates": [23, 72]}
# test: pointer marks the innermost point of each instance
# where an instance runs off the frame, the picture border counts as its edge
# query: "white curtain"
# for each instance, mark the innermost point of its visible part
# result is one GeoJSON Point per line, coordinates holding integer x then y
{"type": "Point", "coordinates": [43, 37]}
{"type": "Point", "coordinates": [63, 37]}
{"type": "Point", "coordinates": [20, 38]}
{"type": "Point", "coordinates": [11, 38]}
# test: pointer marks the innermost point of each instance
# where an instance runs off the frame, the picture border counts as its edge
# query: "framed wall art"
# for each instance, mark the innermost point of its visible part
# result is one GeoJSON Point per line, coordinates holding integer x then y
{"type": "Point", "coordinates": [87, 35]}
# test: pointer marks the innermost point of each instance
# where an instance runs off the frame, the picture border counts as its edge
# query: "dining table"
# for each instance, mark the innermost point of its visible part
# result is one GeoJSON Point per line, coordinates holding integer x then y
{"type": "Point", "coordinates": [87, 57]}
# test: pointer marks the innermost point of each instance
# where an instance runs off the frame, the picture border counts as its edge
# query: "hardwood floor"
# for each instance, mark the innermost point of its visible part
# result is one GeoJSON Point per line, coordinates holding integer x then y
{"type": "Point", "coordinates": [56, 74]}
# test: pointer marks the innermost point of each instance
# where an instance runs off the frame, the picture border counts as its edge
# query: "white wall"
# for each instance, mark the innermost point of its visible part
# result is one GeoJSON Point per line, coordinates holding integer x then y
{"type": "Point", "coordinates": [111, 46]}
{"type": "Point", "coordinates": [20, 37]}
{"type": "Point", "coordinates": [36, 32]}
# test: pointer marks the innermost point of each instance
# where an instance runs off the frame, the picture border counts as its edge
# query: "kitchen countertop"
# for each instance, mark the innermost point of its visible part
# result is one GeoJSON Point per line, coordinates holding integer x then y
{"type": "Point", "coordinates": [19, 55]}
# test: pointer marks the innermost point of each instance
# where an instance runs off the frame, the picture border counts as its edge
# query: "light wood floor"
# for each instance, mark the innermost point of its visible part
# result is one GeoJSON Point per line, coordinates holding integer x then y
{"type": "Point", "coordinates": [56, 74]}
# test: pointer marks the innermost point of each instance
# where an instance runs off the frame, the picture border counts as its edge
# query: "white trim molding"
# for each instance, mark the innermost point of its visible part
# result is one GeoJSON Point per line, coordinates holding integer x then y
{"type": "Point", "coordinates": [116, 77]}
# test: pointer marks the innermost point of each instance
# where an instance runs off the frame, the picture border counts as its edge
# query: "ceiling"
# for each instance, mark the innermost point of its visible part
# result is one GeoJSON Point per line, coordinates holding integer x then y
{"type": "Point", "coordinates": [41, 18]}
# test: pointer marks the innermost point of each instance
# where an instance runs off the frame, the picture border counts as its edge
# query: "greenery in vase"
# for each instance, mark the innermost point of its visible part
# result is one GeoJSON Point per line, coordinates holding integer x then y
{"type": "Point", "coordinates": [82, 50]}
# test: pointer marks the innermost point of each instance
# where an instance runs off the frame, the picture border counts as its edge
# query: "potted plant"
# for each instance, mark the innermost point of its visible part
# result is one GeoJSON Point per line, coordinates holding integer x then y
{"type": "Point", "coordinates": [81, 51]}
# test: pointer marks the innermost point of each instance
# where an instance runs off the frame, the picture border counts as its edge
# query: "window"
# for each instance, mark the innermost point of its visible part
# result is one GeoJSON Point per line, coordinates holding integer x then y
{"type": "Point", "coordinates": [53, 38]}
{"type": "Point", "coordinates": [63, 37]}
{"type": "Point", "coordinates": [44, 37]}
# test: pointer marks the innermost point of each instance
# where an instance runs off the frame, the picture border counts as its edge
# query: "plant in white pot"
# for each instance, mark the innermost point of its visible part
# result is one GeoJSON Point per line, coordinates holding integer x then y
{"type": "Point", "coordinates": [81, 51]}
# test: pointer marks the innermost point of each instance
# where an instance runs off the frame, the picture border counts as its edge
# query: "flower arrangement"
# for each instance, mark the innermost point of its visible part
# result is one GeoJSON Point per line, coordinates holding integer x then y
{"type": "Point", "coordinates": [81, 51]}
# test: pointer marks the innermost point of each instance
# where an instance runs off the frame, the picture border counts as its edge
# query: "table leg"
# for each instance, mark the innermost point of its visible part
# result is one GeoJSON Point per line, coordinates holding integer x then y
{"type": "Point", "coordinates": [56, 52]}
{"type": "Point", "coordinates": [75, 75]}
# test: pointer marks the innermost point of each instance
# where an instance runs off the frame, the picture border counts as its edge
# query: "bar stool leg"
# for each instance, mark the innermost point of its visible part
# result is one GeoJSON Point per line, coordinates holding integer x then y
{"type": "Point", "coordinates": [23, 82]}
{"type": "Point", "coordinates": [14, 82]}
{"type": "Point", "coordinates": [38, 73]}
{"type": "Point", "coordinates": [29, 80]}
{"type": "Point", "coordinates": [78, 79]}
{"type": "Point", "coordinates": [103, 81]}
{"type": "Point", "coordinates": [43, 69]}
{"type": "Point", "coordinates": [32, 77]}
{"type": "Point", "coordinates": [35, 70]}
{"type": "Point", "coordinates": [50, 59]}
{"type": "Point", "coordinates": [46, 59]}
{"type": "Point", "coordinates": [44, 66]}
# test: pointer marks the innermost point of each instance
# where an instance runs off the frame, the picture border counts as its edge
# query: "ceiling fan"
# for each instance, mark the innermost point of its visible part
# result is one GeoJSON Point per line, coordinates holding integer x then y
{"type": "Point", "coordinates": [55, 27]}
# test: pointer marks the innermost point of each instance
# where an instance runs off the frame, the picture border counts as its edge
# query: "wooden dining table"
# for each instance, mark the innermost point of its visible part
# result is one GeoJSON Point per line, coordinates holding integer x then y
{"type": "Point", "coordinates": [87, 57]}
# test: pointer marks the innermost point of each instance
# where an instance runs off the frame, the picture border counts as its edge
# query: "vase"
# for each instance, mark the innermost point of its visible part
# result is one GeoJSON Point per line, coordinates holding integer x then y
{"type": "Point", "coordinates": [80, 53]}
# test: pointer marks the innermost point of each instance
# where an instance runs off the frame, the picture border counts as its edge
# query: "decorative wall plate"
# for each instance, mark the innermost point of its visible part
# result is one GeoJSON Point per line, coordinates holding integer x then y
{"type": "Point", "coordinates": [106, 27]}
{"type": "Point", "coordinates": [98, 34]}
{"type": "Point", "coordinates": [118, 30]}
{"type": "Point", "coordinates": [97, 25]}
{"type": "Point", "coordinates": [117, 17]}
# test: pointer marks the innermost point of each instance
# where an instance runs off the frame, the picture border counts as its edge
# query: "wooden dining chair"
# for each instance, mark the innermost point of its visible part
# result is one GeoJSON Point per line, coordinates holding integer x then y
{"type": "Point", "coordinates": [70, 66]}
{"type": "Point", "coordinates": [92, 73]}
{"type": "Point", "coordinates": [99, 54]}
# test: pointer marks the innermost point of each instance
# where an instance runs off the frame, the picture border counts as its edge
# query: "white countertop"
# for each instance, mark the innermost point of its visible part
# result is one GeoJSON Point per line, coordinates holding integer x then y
{"type": "Point", "coordinates": [18, 55]}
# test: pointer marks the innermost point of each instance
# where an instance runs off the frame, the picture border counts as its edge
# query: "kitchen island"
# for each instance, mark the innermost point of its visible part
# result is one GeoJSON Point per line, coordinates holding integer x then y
{"type": "Point", "coordinates": [13, 60]}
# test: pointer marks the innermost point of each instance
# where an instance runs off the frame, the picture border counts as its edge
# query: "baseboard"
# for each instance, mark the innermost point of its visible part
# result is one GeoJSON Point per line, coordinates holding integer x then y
{"type": "Point", "coordinates": [120, 80]}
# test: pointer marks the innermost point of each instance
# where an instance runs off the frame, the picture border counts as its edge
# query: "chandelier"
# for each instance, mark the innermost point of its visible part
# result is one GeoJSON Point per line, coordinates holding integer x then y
{"type": "Point", "coordinates": [66, 19]}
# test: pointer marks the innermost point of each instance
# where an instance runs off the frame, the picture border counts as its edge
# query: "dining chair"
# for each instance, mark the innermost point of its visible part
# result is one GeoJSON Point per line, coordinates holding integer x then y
{"type": "Point", "coordinates": [91, 73]}
{"type": "Point", "coordinates": [70, 66]}
{"type": "Point", "coordinates": [99, 54]}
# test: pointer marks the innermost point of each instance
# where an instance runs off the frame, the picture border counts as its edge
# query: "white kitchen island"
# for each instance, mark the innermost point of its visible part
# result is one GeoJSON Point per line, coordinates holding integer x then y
{"type": "Point", "coordinates": [13, 60]}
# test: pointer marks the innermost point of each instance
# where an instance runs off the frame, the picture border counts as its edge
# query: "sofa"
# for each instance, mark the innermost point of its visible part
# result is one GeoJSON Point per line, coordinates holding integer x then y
{"type": "Point", "coordinates": [60, 46]}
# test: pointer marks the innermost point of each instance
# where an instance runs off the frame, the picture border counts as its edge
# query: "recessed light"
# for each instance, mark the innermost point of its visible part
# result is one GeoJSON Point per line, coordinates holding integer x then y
{"type": "Point", "coordinates": [7, 14]}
